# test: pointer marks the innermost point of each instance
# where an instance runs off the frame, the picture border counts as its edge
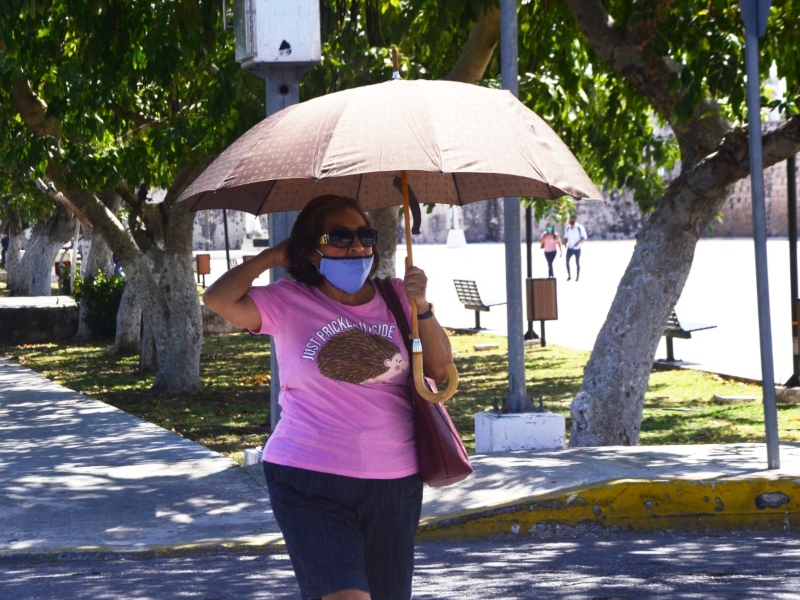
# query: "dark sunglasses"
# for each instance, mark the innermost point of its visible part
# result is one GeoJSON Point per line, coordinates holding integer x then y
{"type": "Point", "coordinates": [344, 238]}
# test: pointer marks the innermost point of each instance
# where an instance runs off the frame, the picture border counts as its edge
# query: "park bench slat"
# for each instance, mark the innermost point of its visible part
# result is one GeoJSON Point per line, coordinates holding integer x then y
{"type": "Point", "coordinates": [469, 296]}
{"type": "Point", "coordinates": [677, 329]}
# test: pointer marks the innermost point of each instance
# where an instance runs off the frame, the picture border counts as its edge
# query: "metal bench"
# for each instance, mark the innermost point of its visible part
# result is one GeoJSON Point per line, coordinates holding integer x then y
{"type": "Point", "coordinates": [469, 296]}
{"type": "Point", "coordinates": [676, 329]}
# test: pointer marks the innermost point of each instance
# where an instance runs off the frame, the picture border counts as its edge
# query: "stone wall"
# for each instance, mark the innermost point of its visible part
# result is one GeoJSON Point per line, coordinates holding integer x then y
{"type": "Point", "coordinates": [737, 214]}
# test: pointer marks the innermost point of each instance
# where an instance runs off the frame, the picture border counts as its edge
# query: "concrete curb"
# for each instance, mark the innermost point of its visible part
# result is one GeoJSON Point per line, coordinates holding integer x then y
{"type": "Point", "coordinates": [766, 502]}
{"type": "Point", "coordinates": [272, 543]}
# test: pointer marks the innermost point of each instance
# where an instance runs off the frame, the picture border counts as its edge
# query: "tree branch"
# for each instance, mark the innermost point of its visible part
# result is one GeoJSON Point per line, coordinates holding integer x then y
{"type": "Point", "coordinates": [479, 48]}
{"type": "Point", "coordinates": [731, 161]}
{"type": "Point", "coordinates": [33, 109]}
{"type": "Point", "coordinates": [621, 50]}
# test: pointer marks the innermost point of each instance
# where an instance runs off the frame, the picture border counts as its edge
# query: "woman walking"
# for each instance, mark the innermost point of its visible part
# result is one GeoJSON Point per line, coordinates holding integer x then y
{"type": "Point", "coordinates": [341, 466]}
{"type": "Point", "coordinates": [550, 241]}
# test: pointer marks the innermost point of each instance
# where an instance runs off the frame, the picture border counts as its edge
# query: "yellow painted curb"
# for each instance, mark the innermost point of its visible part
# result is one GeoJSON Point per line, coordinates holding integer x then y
{"type": "Point", "coordinates": [765, 502]}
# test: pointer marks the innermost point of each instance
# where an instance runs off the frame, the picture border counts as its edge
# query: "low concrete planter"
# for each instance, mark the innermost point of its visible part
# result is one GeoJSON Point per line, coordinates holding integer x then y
{"type": "Point", "coordinates": [38, 324]}
{"type": "Point", "coordinates": [57, 324]}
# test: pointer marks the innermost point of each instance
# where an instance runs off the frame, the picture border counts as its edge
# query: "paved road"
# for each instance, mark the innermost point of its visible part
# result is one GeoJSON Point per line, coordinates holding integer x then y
{"type": "Point", "coordinates": [599, 566]}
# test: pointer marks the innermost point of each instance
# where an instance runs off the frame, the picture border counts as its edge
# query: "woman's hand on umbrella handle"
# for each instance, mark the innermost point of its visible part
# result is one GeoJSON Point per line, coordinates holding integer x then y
{"type": "Point", "coordinates": [415, 284]}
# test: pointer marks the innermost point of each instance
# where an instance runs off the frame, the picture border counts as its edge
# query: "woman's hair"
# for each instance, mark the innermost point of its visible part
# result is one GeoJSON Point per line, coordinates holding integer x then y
{"type": "Point", "coordinates": [307, 230]}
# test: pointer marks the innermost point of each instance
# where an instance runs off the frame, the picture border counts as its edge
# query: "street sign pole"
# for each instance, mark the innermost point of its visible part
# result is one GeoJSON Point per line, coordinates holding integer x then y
{"type": "Point", "coordinates": [791, 211]}
{"type": "Point", "coordinates": [754, 14]}
{"type": "Point", "coordinates": [283, 90]}
{"type": "Point", "coordinates": [518, 400]}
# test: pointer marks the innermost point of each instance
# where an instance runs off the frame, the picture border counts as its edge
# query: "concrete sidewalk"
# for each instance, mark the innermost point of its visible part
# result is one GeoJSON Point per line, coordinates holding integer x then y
{"type": "Point", "coordinates": [78, 475]}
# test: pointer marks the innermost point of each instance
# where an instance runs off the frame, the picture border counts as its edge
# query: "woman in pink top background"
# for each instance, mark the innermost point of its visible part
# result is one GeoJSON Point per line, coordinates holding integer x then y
{"type": "Point", "coordinates": [341, 465]}
{"type": "Point", "coordinates": [550, 241]}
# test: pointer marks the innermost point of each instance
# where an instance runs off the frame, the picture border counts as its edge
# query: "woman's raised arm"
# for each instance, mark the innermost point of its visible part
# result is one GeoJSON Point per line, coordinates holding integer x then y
{"type": "Point", "coordinates": [227, 296]}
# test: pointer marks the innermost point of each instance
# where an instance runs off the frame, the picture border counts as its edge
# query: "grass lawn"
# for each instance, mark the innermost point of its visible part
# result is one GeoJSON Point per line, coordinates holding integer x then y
{"type": "Point", "coordinates": [233, 411]}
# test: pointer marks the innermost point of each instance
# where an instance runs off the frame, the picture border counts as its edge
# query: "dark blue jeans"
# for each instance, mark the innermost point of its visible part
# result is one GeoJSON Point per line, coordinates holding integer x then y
{"type": "Point", "coordinates": [550, 256]}
{"type": "Point", "coordinates": [576, 252]}
{"type": "Point", "coordinates": [347, 533]}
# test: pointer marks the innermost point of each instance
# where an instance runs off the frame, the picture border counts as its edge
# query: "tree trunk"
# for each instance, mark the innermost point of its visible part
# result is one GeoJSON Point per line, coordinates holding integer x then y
{"type": "Point", "coordinates": [127, 341]}
{"type": "Point", "coordinates": [36, 265]}
{"type": "Point", "coordinates": [179, 367]}
{"type": "Point", "coordinates": [479, 48]}
{"type": "Point", "coordinates": [608, 409]}
{"type": "Point", "coordinates": [14, 252]}
{"type": "Point", "coordinates": [385, 221]}
{"type": "Point", "coordinates": [148, 356]}
{"type": "Point", "coordinates": [174, 314]}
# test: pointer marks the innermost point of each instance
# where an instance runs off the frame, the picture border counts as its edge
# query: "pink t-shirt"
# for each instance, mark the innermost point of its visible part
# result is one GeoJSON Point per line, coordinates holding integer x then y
{"type": "Point", "coordinates": [344, 372]}
{"type": "Point", "coordinates": [550, 242]}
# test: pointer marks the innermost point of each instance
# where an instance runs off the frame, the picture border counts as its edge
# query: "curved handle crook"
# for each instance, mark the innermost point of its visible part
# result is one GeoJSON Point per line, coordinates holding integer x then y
{"type": "Point", "coordinates": [422, 388]}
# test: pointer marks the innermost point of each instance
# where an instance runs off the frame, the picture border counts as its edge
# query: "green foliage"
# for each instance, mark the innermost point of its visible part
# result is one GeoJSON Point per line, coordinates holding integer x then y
{"type": "Point", "coordinates": [137, 89]}
{"type": "Point", "coordinates": [101, 293]}
{"type": "Point", "coordinates": [140, 89]}
{"type": "Point", "coordinates": [556, 211]}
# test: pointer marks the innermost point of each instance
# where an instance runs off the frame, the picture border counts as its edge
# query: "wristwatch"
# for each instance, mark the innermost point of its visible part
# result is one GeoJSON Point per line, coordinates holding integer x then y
{"type": "Point", "coordinates": [427, 314]}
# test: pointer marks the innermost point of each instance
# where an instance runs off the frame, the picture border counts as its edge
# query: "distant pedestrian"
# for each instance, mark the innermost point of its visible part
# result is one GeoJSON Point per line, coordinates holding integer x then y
{"type": "Point", "coordinates": [5, 249]}
{"type": "Point", "coordinates": [550, 242]}
{"type": "Point", "coordinates": [574, 236]}
{"type": "Point", "coordinates": [117, 266]}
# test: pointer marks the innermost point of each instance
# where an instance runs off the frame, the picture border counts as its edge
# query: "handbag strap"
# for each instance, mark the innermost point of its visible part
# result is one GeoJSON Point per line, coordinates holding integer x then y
{"type": "Point", "coordinates": [389, 295]}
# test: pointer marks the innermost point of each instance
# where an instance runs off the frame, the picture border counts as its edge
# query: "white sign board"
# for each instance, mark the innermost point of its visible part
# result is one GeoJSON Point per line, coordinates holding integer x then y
{"type": "Point", "coordinates": [277, 31]}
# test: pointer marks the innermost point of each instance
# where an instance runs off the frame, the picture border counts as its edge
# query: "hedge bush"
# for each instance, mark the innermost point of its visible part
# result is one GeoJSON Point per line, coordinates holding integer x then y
{"type": "Point", "coordinates": [102, 294]}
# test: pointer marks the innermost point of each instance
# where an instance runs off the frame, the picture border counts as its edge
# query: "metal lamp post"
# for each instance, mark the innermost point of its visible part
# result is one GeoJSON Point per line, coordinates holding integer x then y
{"type": "Point", "coordinates": [518, 399]}
{"type": "Point", "coordinates": [278, 41]}
{"type": "Point", "coordinates": [754, 14]}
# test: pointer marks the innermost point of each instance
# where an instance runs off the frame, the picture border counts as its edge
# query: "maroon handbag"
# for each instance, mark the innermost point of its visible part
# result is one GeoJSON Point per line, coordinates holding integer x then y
{"type": "Point", "coordinates": [441, 455]}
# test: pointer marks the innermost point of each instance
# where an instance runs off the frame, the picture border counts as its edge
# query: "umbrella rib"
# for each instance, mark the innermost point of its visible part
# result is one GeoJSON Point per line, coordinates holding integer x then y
{"type": "Point", "coordinates": [358, 189]}
{"type": "Point", "coordinates": [266, 197]}
{"type": "Point", "coordinates": [196, 201]}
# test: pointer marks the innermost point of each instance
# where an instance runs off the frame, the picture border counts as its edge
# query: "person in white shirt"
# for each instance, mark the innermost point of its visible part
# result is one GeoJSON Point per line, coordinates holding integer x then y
{"type": "Point", "coordinates": [574, 235]}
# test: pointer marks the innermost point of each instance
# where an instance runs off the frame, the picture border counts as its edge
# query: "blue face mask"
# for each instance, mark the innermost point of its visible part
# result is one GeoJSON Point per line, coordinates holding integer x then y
{"type": "Point", "coordinates": [347, 273]}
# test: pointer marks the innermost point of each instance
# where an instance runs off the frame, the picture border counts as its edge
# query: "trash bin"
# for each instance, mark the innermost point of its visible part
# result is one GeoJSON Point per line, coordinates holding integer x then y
{"type": "Point", "coordinates": [542, 301]}
{"type": "Point", "coordinates": [203, 267]}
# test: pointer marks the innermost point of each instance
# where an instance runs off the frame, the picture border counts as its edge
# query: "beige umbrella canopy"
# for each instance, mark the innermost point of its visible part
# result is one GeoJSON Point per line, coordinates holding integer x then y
{"type": "Point", "coordinates": [459, 143]}
{"type": "Point", "coordinates": [437, 141]}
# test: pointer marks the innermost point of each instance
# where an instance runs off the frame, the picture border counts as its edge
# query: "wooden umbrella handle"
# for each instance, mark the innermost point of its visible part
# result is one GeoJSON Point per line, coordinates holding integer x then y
{"type": "Point", "coordinates": [422, 388]}
{"type": "Point", "coordinates": [416, 353]}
